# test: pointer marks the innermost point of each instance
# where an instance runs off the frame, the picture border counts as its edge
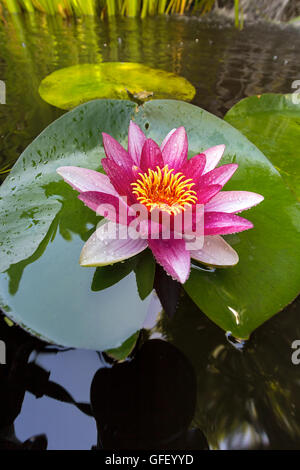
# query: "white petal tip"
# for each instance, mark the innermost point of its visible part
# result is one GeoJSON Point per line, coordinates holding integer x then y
{"type": "Point", "coordinates": [216, 252]}
{"type": "Point", "coordinates": [60, 170]}
{"type": "Point", "coordinates": [103, 248]}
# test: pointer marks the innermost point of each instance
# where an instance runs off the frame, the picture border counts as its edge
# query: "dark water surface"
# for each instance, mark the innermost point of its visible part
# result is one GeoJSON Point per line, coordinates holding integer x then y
{"type": "Point", "coordinates": [237, 396]}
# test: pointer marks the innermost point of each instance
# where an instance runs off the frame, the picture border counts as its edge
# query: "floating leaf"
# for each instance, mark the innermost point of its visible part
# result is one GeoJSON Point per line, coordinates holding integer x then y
{"type": "Point", "coordinates": [144, 272]}
{"type": "Point", "coordinates": [68, 87]}
{"type": "Point", "coordinates": [125, 349]}
{"type": "Point", "coordinates": [43, 227]}
{"type": "Point", "coordinates": [272, 123]}
{"type": "Point", "coordinates": [106, 276]}
{"type": "Point", "coordinates": [267, 277]}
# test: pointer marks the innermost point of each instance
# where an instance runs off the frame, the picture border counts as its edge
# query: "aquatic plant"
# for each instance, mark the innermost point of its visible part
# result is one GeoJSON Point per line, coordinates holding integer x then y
{"type": "Point", "coordinates": [70, 86]}
{"type": "Point", "coordinates": [43, 227]}
{"type": "Point", "coordinates": [271, 122]}
{"type": "Point", "coordinates": [131, 8]}
{"type": "Point", "coordinates": [5, 169]}
{"type": "Point", "coordinates": [160, 181]}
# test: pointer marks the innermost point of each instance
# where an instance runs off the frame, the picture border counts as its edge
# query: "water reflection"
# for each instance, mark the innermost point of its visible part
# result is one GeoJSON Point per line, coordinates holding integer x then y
{"type": "Point", "coordinates": [246, 398]}
{"type": "Point", "coordinates": [148, 402]}
{"type": "Point", "coordinates": [172, 394]}
{"type": "Point", "coordinates": [249, 397]}
{"type": "Point", "coordinates": [24, 377]}
{"type": "Point", "coordinates": [222, 63]}
{"type": "Point", "coordinates": [19, 345]}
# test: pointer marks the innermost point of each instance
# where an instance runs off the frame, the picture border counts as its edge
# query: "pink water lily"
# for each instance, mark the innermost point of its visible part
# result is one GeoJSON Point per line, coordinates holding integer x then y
{"type": "Point", "coordinates": [161, 179]}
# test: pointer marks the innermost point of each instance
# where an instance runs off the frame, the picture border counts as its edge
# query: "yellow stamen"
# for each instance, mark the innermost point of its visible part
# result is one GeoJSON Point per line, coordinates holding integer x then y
{"type": "Point", "coordinates": [164, 190]}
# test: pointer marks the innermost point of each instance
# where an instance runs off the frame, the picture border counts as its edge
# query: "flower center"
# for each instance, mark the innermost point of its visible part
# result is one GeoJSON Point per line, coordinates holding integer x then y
{"type": "Point", "coordinates": [165, 190]}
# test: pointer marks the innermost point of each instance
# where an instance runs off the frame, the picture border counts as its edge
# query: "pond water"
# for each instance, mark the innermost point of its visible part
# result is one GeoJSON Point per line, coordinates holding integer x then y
{"type": "Point", "coordinates": [235, 395]}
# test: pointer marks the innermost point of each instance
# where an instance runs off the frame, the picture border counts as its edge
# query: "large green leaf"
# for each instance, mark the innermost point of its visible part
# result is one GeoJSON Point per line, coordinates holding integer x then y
{"type": "Point", "coordinates": [43, 227]}
{"type": "Point", "coordinates": [70, 86]}
{"type": "Point", "coordinates": [267, 276]}
{"type": "Point", "coordinates": [272, 123]}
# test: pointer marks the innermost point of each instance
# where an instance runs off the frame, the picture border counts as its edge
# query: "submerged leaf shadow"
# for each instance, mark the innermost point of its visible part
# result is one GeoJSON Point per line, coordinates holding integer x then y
{"type": "Point", "coordinates": [249, 397]}
{"type": "Point", "coordinates": [147, 403]}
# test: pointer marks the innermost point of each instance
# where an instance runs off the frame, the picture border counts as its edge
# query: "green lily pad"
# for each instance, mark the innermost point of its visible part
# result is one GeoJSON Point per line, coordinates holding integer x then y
{"type": "Point", "coordinates": [267, 277]}
{"type": "Point", "coordinates": [272, 123]}
{"type": "Point", "coordinates": [71, 86]}
{"type": "Point", "coordinates": [121, 353]}
{"type": "Point", "coordinates": [43, 227]}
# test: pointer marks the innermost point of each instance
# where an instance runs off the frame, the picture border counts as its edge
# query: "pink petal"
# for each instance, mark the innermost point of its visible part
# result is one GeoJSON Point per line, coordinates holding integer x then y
{"type": "Point", "coordinates": [205, 193]}
{"type": "Point", "coordinates": [213, 156]}
{"type": "Point", "coordinates": [116, 153]}
{"type": "Point", "coordinates": [233, 201]}
{"type": "Point", "coordinates": [136, 140]}
{"type": "Point", "coordinates": [194, 167]}
{"type": "Point", "coordinates": [175, 150]}
{"type": "Point", "coordinates": [101, 250]}
{"type": "Point", "coordinates": [167, 138]}
{"type": "Point", "coordinates": [120, 178]}
{"type": "Point", "coordinates": [109, 206]}
{"type": "Point", "coordinates": [173, 257]}
{"type": "Point", "coordinates": [136, 172]}
{"type": "Point", "coordinates": [83, 179]}
{"type": "Point", "coordinates": [215, 252]}
{"type": "Point", "coordinates": [219, 223]}
{"type": "Point", "coordinates": [151, 156]}
{"type": "Point", "coordinates": [219, 175]}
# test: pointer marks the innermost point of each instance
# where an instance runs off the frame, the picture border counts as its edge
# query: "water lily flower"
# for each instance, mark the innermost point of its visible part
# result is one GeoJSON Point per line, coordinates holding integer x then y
{"type": "Point", "coordinates": [161, 179]}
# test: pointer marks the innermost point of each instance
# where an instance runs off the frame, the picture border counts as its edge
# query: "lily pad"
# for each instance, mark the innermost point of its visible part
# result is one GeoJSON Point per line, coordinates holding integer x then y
{"type": "Point", "coordinates": [43, 227]}
{"type": "Point", "coordinates": [272, 123]}
{"type": "Point", "coordinates": [121, 353]}
{"type": "Point", "coordinates": [71, 86]}
{"type": "Point", "coordinates": [267, 277]}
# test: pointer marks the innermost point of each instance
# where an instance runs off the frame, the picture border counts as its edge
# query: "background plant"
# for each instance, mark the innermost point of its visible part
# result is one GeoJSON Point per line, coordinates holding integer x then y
{"type": "Point", "coordinates": [131, 8]}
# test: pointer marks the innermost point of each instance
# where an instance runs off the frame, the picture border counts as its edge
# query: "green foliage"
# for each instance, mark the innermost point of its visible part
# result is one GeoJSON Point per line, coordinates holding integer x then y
{"type": "Point", "coordinates": [106, 276]}
{"type": "Point", "coordinates": [271, 122]}
{"type": "Point", "coordinates": [121, 353]}
{"type": "Point", "coordinates": [13, 6]}
{"type": "Point", "coordinates": [42, 285]}
{"type": "Point", "coordinates": [145, 272]}
{"type": "Point", "coordinates": [43, 227]}
{"type": "Point", "coordinates": [267, 277]}
{"type": "Point", "coordinates": [68, 87]}
{"type": "Point", "coordinates": [130, 8]}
